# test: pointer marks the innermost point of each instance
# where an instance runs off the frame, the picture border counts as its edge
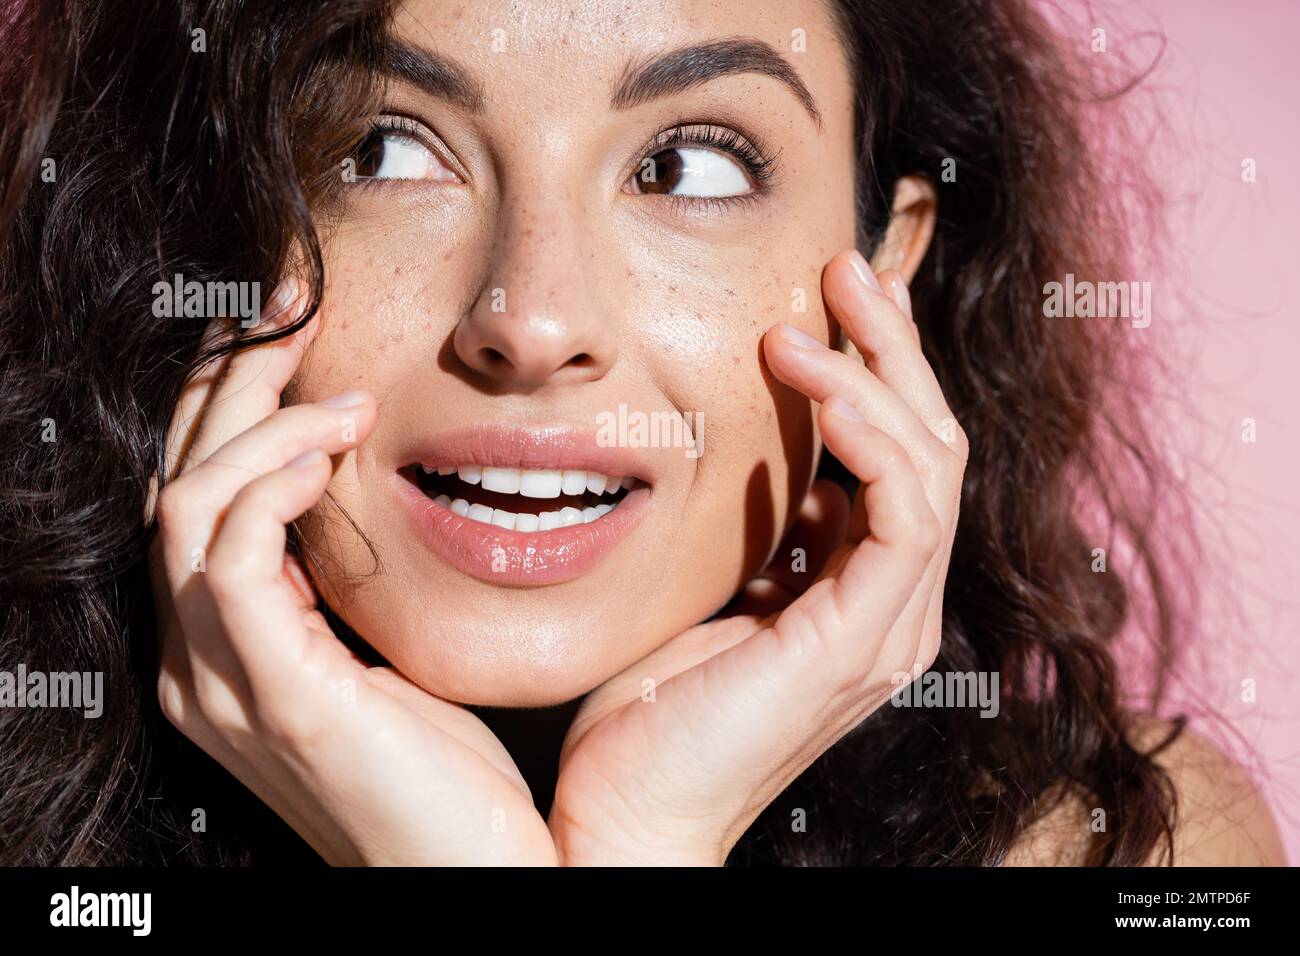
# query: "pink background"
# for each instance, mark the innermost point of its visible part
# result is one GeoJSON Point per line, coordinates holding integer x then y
{"type": "Point", "coordinates": [1225, 308]}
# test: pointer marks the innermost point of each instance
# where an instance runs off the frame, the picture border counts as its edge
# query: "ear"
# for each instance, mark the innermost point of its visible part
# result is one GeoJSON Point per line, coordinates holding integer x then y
{"type": "Point", "coordinates": [911, 227]}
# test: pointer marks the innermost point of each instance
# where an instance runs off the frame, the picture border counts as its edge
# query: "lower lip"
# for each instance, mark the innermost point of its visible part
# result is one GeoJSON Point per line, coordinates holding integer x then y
{"type": "Point", "coordinates": [520, 558]}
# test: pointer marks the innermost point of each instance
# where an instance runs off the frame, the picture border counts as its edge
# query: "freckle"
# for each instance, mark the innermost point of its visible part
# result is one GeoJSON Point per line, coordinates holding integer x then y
{"type": "Point", "coordinates": [397, 270]}
{"type": "Point", "coordinates": [447, 255]}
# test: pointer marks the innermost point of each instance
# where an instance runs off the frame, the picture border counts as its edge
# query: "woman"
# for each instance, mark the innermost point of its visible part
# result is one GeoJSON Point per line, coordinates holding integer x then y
{"type": "Point", "coordinates": [493, 535]}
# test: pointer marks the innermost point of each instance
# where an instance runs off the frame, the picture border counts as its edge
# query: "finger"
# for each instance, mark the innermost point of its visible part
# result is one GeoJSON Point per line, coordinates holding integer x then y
{"type": "Point", "coordinates": [817, 531]}
{"type": "Point", "coordinates": [808, 366]}
{"type": "Point", "coordinates": [835, 630]}
{"type": "Point", "coordinates": [896, 287]}
{"type": "Point", "coordinates": [810, 665]}
{"type": "Point", "coordinates": [249, 390]}
{"type": "Point", "coordinates": [245, 572]}
{"type": "Point", "coordinates": [295, 575]}
{"type": "Point", "coordinates": [918, 622]}
{"type": "Point", "coordinates": [904, 533]}
{"type": "Point", "coordinates": [335, 425]}
{"type": "Point", "coordinates": [818, 528]}
{"type": "Point", "coordinates": [884, 335]}
{"type": "Point", "coordinates": [186, 422]}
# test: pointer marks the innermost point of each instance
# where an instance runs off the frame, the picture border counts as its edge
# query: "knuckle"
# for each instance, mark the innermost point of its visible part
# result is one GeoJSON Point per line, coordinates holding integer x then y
{"type": "Point", "coordinates": [230, 573]}
{"type": "Point", "coordinates": [288, 728]}
{"type": "Point", "coordinates": [961, 445]}
{"type": "Point", "coordinates": [928, 653]}
{"type": "Point", "coordinates": [214, 702]}
{"type": "Point", "coordinates": [226, 579]}
{"type": "Point", "coordinates": [892, 457]}
{"type": "Point", "coordinates": [170, 507]}
{"type": "Point", "coordinates": [252, 497]}
{"type": "Point", "coordinates": [171, 699]}
{"type": "Point", "coordinates": [926, 533]}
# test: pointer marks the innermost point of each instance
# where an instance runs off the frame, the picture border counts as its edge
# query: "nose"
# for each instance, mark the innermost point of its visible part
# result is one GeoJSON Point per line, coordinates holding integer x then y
{"type": "Point", "coordinates": [538, 320]}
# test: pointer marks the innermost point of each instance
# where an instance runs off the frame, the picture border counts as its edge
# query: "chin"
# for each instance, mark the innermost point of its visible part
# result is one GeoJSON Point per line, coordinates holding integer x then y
{"type": "Point", "coordinates": [498, 667]}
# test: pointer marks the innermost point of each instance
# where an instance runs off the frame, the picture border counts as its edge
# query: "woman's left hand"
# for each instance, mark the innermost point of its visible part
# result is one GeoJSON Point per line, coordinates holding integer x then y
{"type": "Point", "coordinates": [672, 760]}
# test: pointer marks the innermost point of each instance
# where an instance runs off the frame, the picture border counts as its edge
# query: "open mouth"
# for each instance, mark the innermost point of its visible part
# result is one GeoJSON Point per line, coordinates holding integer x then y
{"type": "Point", "coordinates": [518, 499]}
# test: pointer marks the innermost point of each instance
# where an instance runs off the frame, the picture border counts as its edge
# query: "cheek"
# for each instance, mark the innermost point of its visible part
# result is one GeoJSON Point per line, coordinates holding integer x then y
{"type": "Point", "coordinates": [701, 339]}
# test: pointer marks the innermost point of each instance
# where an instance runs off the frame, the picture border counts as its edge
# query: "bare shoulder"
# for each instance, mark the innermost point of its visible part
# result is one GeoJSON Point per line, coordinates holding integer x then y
{"type": "Point", "coordinates": [1222, 819]}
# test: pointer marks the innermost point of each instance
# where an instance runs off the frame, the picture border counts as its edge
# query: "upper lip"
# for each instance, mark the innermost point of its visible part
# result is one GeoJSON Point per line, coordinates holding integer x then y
{"type": "Point", "coordinates": [539, 448]}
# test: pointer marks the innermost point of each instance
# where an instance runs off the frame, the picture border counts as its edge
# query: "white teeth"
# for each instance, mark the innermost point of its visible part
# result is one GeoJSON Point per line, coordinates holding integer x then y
{"type": "Point", "coordinates": [574, 482]}
{"type": "Point", "coordinates": [534, 482]}
{"type": "Point", "coordinates": [546, 521]}
{"type": "Point", "coordinates": [541, 484]}
{"type": "Point", "coordinates": [531, 483]}
{"type": "Point", "coordinates": [503, 480]}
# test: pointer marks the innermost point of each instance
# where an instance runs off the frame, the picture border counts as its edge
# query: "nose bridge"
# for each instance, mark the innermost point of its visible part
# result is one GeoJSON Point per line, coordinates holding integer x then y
{"type": "Point", "coordinates": [536, 318]}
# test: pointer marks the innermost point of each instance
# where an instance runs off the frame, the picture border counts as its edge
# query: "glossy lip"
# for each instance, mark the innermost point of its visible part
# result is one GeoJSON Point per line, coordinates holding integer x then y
{"type": "Point", "coordinates": [523, 558]}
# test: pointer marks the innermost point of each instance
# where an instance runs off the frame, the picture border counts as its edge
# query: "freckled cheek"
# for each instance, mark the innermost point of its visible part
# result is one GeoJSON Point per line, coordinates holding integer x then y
{"type": "Point", "coordinates": [702, 340]}
{"type": "Point", "coordinates": [380, 313]}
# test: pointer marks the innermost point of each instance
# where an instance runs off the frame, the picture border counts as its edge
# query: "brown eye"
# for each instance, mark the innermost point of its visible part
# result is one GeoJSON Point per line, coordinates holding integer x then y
{"type": "Point", "coordinates": [660, 174]}
{"type": "Point", "coordinates": [691, 171]}
{"type": "Point", "coordinates": [393, 154]}
{"type": "Point", "coordinates": [370, 155]}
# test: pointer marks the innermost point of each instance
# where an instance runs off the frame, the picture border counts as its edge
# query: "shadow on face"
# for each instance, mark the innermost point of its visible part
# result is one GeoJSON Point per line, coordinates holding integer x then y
{"type": "Point", "coordinates": [571, 225]}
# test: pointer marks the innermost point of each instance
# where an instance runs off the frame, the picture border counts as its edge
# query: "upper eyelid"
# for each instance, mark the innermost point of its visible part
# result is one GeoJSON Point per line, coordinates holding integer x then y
{"type": "Point", "coordinates": [674, 134]}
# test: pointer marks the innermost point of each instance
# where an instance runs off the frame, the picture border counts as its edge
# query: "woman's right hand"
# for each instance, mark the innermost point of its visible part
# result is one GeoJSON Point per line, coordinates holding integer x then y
{"type": "Point", "coordinates": [364, 765]}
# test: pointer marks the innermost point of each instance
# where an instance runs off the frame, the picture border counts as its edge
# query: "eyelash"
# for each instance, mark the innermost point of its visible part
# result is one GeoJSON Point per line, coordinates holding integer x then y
{"type": "Point", "coordinates": [393, 123]}
{"type": "Point", "coordinates": [756, 160]}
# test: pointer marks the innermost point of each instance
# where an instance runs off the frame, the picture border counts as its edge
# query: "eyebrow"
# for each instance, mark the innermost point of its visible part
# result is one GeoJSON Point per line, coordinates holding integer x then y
{"type": "Point", "coordinates": [432, 74]}
{"type": "Point", "coordinates": [672, 72]}
{"type": "Point", "coordinates": [681, 69]}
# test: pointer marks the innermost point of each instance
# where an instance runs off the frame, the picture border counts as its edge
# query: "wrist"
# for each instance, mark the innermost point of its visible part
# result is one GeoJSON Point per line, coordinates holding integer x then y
{"type": "Point", "coordinates": [576, 848]}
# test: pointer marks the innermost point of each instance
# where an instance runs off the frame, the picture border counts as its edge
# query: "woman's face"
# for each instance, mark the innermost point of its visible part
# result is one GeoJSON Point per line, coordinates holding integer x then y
{"type": "Point", "coordinates": [576, 221]}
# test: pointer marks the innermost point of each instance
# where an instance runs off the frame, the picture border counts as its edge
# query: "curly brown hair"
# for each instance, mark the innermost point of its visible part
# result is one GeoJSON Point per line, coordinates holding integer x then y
{"type": "Point", "coordinates": [149, 142]}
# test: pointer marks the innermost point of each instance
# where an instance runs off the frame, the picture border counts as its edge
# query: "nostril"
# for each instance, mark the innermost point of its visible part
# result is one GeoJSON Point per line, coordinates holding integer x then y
{"type": "Point", "coordinates": [495, 359]}
{"type": "Point", "coordinates": [582, 360]}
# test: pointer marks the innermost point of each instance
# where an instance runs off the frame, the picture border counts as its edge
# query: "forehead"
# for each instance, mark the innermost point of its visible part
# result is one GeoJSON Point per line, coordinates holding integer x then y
{"type": "Point", "coordinates": [576, 52]}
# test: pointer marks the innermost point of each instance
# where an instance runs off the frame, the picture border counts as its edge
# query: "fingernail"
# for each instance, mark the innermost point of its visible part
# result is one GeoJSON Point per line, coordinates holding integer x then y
{"type": "Point", "coordinates": [902, 298]}
{"type": "Point", "coordinates": [800, 338]}
{"type": "Point", "coordinates": [863, 271]}
{"type": "Point", "coordinates": [308, 458]}
{"type": "Point", "coordinates": [346, 399]}
{"type": "Point", "coordinates": [843, 409]}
